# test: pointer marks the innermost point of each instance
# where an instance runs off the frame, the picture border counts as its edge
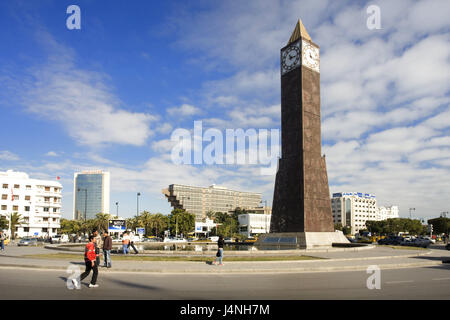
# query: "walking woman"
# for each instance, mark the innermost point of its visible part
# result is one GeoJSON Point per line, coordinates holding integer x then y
{"type": "Point", "coordinates": [219, 255]}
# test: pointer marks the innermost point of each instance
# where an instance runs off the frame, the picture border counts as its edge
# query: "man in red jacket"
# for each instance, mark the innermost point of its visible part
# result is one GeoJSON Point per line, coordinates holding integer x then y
{"type": "Point", "coordinates": [90, 261]}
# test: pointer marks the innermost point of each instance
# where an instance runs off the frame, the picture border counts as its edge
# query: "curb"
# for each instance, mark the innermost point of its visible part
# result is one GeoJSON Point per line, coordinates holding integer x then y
{"type": "Point", "coordinates": [240, 271]}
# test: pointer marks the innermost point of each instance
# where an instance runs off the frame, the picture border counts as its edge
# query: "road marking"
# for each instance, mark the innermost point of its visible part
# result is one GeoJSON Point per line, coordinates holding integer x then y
{"type": "Point", "coordinates": [402, 281]}
{"type": "Point", "coordinates": [439, 279]}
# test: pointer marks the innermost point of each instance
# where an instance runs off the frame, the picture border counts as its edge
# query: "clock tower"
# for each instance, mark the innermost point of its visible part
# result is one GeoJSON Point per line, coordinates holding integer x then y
{"type": "Point", "coordinates": [301, 209]}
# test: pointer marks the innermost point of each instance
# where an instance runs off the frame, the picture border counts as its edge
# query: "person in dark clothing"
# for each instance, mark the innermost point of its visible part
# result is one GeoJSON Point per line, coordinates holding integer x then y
{"type": "Point", "coordinates": [91, 264]}
{"type": "Point", "coordinates": [107, 246]}
{"type": "Point", "coordinates": [219, 255]}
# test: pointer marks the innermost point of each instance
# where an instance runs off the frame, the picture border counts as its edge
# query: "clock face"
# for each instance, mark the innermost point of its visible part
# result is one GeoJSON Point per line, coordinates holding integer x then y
{"type": "Point", "coordinates": [310, 56]}
{"type": "Point", "coordinates": [290, 58]}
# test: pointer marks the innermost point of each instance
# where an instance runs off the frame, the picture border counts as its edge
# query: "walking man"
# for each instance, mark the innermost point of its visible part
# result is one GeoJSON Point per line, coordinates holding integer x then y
{"type": "Point", "coordinates": [132, 244]}
{"type": "Point", "coordinates": [125, 242]}
{"type": "Point", "coordinates": [98, 245]}
{"type": "Point", "coordinates": [91, 264]}
{"type": "Point", "coordinates": [107, 246]}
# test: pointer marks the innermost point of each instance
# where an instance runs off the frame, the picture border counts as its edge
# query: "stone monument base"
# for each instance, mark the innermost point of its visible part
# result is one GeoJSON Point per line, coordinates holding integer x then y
{"type": "Point", "coordinates": [302, 240]}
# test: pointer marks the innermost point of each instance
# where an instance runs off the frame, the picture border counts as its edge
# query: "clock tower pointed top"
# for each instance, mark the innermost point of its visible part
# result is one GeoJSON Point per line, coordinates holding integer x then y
{"type": "Point", "coordinates": [299, 32]}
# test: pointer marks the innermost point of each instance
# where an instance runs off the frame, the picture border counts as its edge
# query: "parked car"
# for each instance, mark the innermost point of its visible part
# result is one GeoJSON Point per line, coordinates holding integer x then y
{"type": "Point", "coordinates": [174, 240]}
{"type": "Point", "coordinates": [28, 242]}
{"type": "Point", "coordinates": [60, 238]}
{"type": "Point", "coordinates": [213, 239]}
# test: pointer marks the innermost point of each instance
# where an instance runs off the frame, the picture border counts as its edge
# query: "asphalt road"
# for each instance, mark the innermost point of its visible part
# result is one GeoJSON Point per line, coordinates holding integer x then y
{"type": "Point", "coordinates": [411, 283]}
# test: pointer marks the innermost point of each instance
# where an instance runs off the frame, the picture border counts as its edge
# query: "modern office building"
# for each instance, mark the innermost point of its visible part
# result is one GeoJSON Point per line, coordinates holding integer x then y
{"type": "Point", "coordinates": [38, 202]}
{"type": "Point", "coordinates": [199, 200]}
{"type": "Point", "coordinates": [90, 194]}
{"type": "Point", "coordinates": [355, 208]}
{"type": "Point", "coordinates": [252, 224]}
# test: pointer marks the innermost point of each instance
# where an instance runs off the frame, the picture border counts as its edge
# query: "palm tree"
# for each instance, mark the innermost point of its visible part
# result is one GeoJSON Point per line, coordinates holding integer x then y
{"type": "Point", "coordinates": [146, 220]}
{"type": "Point", "coordinates": [210, 214]}
{"type": "Point", "coordinates": [16, 219]}
{"type": "Point", "coordinates": [160, 222]}
{"type": "Point", "coordinates": [102, 220]}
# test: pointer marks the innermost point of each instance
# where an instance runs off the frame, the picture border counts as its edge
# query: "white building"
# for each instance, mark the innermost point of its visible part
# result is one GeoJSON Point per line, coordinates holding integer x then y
{"type": "Point", "coordinates": [37, 201]}
{"type": "Point", "coordinates": [355, 208]}
{"type": "Point", "coordinates": [385, 213]}
{"type": "Point", "coordinates": [91, 191]}
{"type": "Point", "coordinates": [203, 229]}
{"type": "Point", "coordinates": [252, 224]}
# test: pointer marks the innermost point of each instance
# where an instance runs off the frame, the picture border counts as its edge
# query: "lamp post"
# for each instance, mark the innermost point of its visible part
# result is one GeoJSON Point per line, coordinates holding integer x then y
{"type": "Point", "coordinates": [117, 209]}
{"type": "Point", "coordinates": [85, 201]}
{"type": "Point", "coordinates": [410, 211]}
{"type": "Point", "coordinates": [265, 205]}
{"type": "Point", "coordinates": [137, 203]}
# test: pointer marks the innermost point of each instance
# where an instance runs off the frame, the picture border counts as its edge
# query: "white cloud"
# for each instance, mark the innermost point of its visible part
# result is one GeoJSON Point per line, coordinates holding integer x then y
{"type": "Point", "coordinates": [52, 154]}
{"type": "Point", "coordinates": [183, 110]}
{"type": "Point", "coordinates": [8, 156]}
{"type": "Point", "coordinates": [82, 102]}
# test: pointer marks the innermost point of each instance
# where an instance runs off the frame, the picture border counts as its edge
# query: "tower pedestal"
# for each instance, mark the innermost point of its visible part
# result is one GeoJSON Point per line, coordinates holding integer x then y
{"type": "Point", "coordinates": [301, 240]}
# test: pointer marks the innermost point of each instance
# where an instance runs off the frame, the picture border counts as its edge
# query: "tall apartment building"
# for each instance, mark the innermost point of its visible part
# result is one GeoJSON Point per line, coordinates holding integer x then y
{"type": "Point", "coordinates": [199, 200]}
{"type": "Point", "coordinates": [90, 194]}
{"type": "Point", "coordinates": [355, 208]}
{"type": "Point", "coordinates": [37, 201]}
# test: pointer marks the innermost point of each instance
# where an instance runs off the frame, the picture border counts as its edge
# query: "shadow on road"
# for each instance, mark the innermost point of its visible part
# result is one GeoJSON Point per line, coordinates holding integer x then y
{"type": "Point", "coordinates": [135, 285]}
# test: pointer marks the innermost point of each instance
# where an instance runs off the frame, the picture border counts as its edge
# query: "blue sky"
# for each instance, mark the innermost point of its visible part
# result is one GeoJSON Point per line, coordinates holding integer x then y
{"type": "Point", "coordinates": [110, 95]}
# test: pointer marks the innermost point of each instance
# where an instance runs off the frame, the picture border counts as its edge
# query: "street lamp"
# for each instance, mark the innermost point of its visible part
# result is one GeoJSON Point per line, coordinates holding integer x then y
{"type": "Point", "coordinates": [85, 201]}
{"type": "Point", "coordinates": [410, 211]}
{"type": "Point", "coordinates": [265, 205]}
{"type": "Point", "coordinates": [137, 201]}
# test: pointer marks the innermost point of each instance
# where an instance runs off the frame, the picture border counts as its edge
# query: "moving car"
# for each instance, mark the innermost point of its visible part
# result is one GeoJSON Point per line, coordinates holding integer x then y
{"type": "Point", "coordinates": [431, 239]}
{"type": "Point", "coordinates": [28, 242]}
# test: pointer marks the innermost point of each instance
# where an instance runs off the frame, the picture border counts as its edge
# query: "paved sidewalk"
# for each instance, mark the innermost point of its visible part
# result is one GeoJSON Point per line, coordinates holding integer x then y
{"type": "Point", "coordinates": [383, 257]}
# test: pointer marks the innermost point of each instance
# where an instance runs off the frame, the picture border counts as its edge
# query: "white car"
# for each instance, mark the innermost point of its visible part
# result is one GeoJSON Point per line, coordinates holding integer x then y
{"type": "Point", "coordinates": [174, 240]}
{"type": "Point", "coordinates": [213, 239]}
{"type": "Point", "coordinates": [431, 239]}
{"type": "Point", "coordinates": [60, 238]}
